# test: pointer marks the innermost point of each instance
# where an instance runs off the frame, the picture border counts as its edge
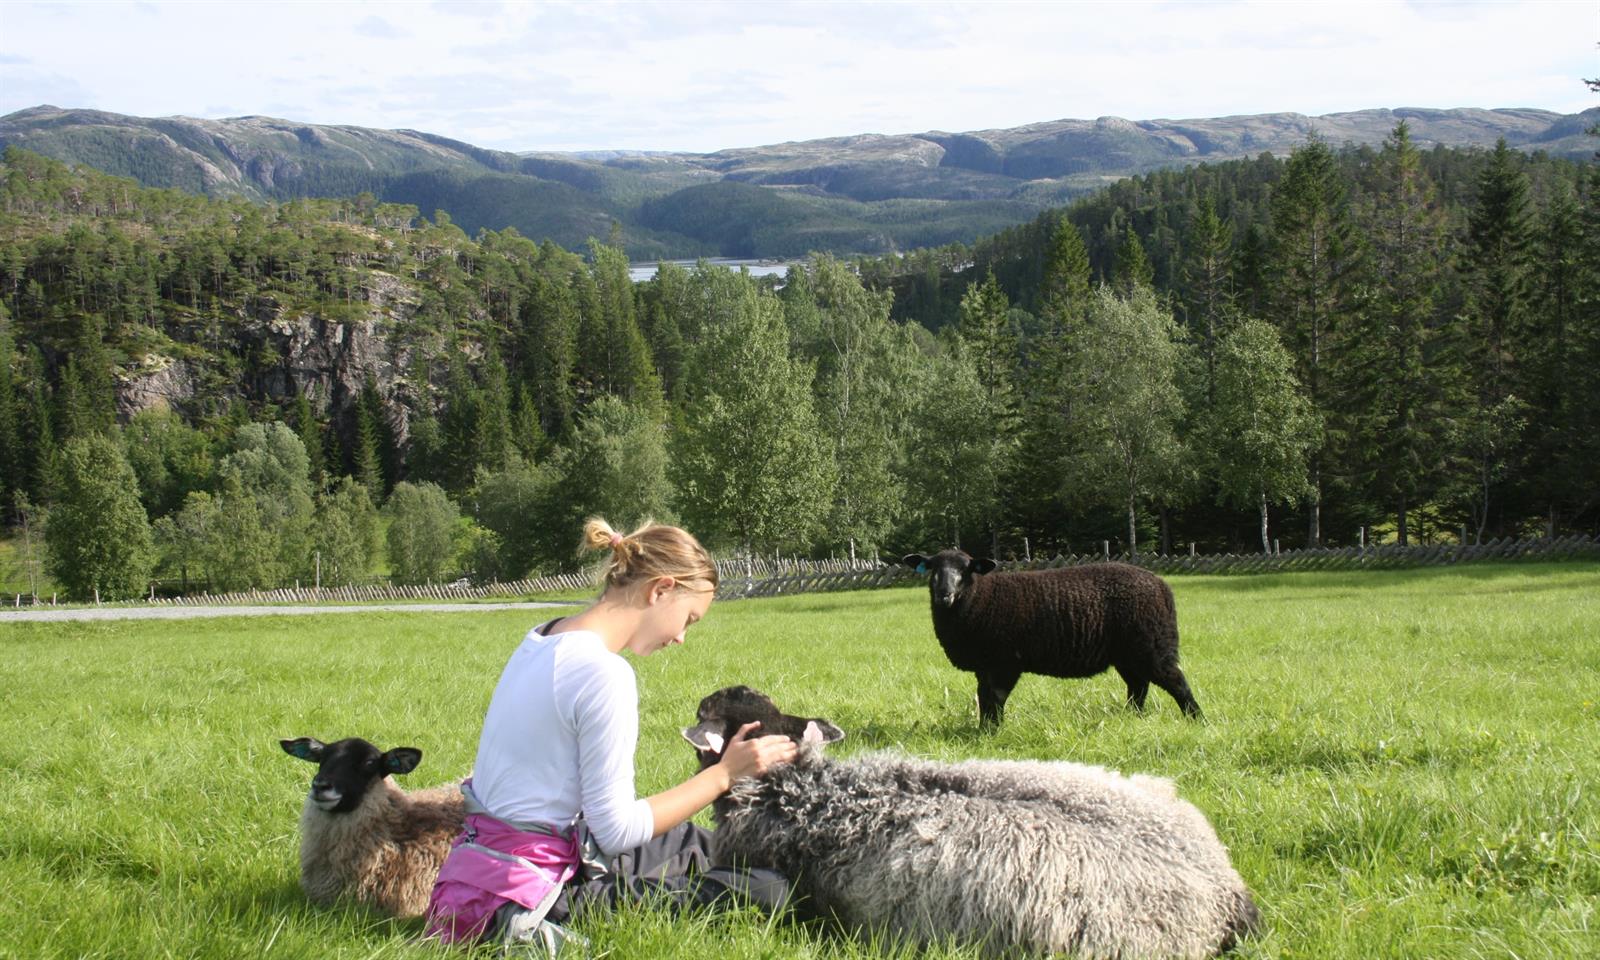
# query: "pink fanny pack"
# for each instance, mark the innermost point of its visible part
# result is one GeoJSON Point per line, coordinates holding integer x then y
{"type": "Point", "coordinates": [492, 863]}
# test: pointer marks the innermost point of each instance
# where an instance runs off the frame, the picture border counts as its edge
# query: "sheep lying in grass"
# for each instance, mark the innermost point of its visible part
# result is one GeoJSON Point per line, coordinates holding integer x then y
{"type": "Point", "coordinates": [363, 837]}
{"type": "Point", "coordinates": [1014, 856]}
{"type": "Point", "coordinates": [1069, 622]}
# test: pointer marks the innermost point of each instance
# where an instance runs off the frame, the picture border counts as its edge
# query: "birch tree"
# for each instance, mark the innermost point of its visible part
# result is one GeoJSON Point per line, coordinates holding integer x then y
{"type": "Point", "coordinates": [1260, 429]}
{"type": "Point", "coordinates": [1123, 376]}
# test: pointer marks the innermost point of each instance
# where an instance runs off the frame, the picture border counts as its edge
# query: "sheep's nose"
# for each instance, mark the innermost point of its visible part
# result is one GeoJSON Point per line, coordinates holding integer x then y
{"type": "Point", "coordinates": [945, 599]}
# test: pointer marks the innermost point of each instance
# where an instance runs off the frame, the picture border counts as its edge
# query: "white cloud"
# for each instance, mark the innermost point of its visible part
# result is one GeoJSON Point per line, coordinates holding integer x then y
{"type": "Point", "coordinates": [703, 76]}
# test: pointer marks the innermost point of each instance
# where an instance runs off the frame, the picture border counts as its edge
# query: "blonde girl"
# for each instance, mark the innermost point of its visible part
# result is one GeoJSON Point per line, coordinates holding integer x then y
{"type": "Point", "coordinates": [554, 772]}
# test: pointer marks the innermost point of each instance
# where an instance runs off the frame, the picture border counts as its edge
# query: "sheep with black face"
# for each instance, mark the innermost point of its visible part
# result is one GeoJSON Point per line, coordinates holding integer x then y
{"type": "Point", "coordinates": [363, 837]}
{"type": "Point", "coordinates": [1068, 622]}
{"type": "Point", "coordinates": [1015, 856]}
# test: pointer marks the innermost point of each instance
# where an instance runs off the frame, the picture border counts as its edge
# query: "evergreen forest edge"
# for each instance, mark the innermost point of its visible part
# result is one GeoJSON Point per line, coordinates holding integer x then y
{"type": "Point", "coordinates": [1343, 343]}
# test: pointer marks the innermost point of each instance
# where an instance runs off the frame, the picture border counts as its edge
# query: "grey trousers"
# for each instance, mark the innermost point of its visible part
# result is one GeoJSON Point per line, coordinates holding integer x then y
{"type": "Point", "coordinates": [673, 870]}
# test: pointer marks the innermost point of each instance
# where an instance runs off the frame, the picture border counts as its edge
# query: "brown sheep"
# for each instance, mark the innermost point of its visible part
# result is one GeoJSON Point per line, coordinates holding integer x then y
{"type": "Point", "coordinates": [363, 837]}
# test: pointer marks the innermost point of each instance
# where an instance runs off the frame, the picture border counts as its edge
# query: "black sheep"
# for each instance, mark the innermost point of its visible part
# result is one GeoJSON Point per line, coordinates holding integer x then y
{"type": "Point", "coordinates": [1069, 622]}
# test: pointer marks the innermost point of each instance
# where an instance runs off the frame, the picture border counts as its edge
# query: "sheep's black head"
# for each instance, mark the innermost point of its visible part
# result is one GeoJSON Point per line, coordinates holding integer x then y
{"type": "Point", "coordinates": [950, 573]}
{"type": "Point", "coordinates": [722, 714]}
{"type": "Point", "coordinates": [348, 768]}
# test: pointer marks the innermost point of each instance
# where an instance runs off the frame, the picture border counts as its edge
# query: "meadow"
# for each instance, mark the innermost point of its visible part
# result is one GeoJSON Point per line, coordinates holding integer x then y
{"type": "Point", "coordinates": [1403, 763]}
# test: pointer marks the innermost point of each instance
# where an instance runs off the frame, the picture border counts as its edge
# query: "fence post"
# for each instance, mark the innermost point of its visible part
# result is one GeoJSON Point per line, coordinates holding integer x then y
{"type": "Point", "coordinates": [1191, 548]}
{"type": "Point", "coordinates": [1105, 548]}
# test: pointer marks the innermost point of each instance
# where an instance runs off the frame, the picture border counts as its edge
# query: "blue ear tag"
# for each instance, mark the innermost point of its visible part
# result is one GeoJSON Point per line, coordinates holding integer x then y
{"type": "Point", "coordinates": [922, 568]}
{"type": "Point", "coordinates": [302, 750]}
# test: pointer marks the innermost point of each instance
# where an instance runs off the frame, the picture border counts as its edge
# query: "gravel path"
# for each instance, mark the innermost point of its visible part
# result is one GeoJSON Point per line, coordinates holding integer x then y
{"type": "Point", "coordinates": [191, 613]}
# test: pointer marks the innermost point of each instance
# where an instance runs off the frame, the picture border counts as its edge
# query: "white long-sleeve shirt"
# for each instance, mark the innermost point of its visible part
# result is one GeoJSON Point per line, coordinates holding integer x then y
{"type": "Point", "coordinates": [559, 738]}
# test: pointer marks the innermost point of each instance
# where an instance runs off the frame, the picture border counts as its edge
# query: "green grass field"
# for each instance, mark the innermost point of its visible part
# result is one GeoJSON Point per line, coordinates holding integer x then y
{"type": "Point", "coordinates": [1404, 764]}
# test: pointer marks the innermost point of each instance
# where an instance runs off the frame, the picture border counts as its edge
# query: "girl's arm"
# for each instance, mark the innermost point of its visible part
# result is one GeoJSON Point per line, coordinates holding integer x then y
{"type": "Point", "coordinates": [744, 757]}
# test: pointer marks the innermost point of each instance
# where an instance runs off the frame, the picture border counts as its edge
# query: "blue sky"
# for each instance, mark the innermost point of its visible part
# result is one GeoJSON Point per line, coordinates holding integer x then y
{"type": "Point", "coordinates": [705, 76]}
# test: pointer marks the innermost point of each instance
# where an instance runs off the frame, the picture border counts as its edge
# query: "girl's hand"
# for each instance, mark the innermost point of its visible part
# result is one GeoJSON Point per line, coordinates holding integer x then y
{"type": "Point", "coordinates": [748, 756]}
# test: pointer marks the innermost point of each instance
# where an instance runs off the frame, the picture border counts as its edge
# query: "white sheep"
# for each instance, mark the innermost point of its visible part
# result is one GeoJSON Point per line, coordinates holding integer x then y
{"type": "Point", "coordinates": [1033, 856]}
{"type": "Point", "coordinates": [363, 837]}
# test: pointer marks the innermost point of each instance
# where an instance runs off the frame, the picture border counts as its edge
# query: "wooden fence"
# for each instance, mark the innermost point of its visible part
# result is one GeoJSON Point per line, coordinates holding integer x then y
{"type": "Point", "coordinates": [769, 577]}
{"type": "Point", "coordinates": [1387, 556]}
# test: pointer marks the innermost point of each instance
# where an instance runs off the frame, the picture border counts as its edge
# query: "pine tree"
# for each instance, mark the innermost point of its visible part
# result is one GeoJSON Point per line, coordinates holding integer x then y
{"type": "Point", "coordinates": [385, 447]}
{"type": "Point", "coordinates": [1207, 272]}
{"type": "Point", "coordinates": [1497, 267]}
{"type": "Point", "coordinates": [366, 453]}
{"type": "Point", "coordinates": [1497, 273]}
{"type": "Point", "coordinates": [1033, 484]}
{"type": "Point", "coordinates": [493, 441]}
{"type": "Point", "coordinates": [991, 343]}
{"type": "Point", "coordinates": [1064, 289]}
{"type": "Point", "coordinates": [1568, 379]}
{"type": "Point", "coordinates": [526, 433]}
{"type": "Point", "coordinates": [310, 434]}
{"type": "Point", "coordinates": [458, 426]}
{"type": "Point", "coordinates": [667, 295]}
{"type": "Point", "coordinates": [1132, 270]}
{"type": "Point", "coordinates": [1313, 258]}
{"type": "Point", "coordinates": [548, 349]}
{"type": "Point", "coordinates": [10, 452]}
{"type": "Point", "coordinates": [1404, 382]}
{"type": "Point", "coordinates": [87, 401]}
{"type": "Point", "coordinates": [38, 425]}
{"type": "Point", "coordinates": [618, 359]}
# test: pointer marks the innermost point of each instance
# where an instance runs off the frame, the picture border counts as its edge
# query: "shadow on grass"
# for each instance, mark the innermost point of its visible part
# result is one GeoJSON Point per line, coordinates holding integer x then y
{"type": "Point", "coordinates": [285, 900]}
{"type": "Point", "coordinates": [957, 731]}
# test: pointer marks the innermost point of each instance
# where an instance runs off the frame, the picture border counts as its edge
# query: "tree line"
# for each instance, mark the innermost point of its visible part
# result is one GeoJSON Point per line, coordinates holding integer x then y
{"type": "Point", "coordinates": [1398, 342]}
{"type": "Point", "coordinates": [1439, 309]}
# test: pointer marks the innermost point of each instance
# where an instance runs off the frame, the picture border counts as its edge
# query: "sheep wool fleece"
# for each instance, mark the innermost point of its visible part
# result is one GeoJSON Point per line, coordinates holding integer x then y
{"type": "Point", "coordinates": [1031, 856]}
{"type": "Point", "coordinates": [338, 856]}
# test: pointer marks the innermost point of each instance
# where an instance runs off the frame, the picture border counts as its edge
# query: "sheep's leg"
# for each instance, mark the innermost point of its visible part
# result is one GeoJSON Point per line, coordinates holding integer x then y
{"type": "Point", "coordinates": [993, 689]}
{"type": "Point", "coordinates": [1169, 678]}
{"type": "Point", "coordinates": [1138, 687]}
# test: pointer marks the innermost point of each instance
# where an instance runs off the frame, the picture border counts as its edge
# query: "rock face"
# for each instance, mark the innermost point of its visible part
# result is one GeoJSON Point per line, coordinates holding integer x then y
{"type": "Point", "coordinates": [328, 360]}
{"type": "Point", "coordinates": [159, 383]}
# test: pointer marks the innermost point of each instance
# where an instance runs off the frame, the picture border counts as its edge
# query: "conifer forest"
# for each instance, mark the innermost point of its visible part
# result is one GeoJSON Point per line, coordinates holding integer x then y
{"type": "Point", "coordinates": [1341, 344]}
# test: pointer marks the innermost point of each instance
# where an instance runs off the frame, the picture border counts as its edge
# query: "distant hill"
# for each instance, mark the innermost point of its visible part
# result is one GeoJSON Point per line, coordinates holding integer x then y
{"type": "Point", "coordinates": [868, 193]}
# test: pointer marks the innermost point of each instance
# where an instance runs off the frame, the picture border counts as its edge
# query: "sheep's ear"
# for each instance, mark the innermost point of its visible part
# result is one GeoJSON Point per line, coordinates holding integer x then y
{"type": "Point", "coordinates": [916, 561]}
{"type": "Point", "coordinates": [706, 737]}
{"type": "Point", "coordinates": [821, 731]}
{"type": "Point", "coordinates": [306, 748]}
{"type": "Point", "coordinates": [402, 759]}
{"type": "Point", "coordinates": [985, 565]}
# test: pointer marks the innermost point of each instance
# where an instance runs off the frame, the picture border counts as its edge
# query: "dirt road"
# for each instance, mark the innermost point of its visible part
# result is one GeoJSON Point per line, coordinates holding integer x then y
{"type": "Point", "coordinates": [36, 614]}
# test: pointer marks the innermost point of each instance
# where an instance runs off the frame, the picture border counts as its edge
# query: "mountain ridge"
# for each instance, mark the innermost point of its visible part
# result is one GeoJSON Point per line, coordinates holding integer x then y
{"type": "Point", "coordinates": [857, 193]}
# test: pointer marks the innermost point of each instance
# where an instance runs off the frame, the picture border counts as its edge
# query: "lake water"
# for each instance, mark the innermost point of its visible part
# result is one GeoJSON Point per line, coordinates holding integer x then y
{"type": "Point", "coordinates": [640, 272]}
